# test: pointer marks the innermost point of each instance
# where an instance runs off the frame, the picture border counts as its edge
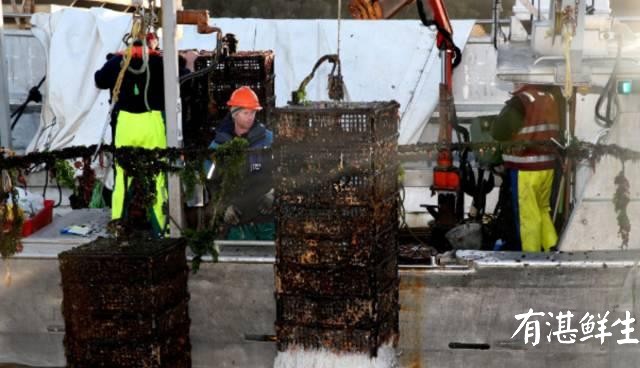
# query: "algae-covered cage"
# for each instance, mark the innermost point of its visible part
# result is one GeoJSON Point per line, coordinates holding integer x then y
{"type": "Point", "coordinates": [126, 305]}
{"type": "Point", "coordinates": [336, 210]}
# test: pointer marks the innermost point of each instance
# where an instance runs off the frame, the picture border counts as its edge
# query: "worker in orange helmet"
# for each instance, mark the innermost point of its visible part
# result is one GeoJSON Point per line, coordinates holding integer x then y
{"type": "Point", "coordinates": [249, 213]}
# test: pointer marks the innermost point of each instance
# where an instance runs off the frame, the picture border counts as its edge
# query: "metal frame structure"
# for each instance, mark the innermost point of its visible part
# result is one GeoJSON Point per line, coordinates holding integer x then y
{"type": "Point", "coordinates": [173, 106]}
{"type": "Point", "coordinates": [5, 122]}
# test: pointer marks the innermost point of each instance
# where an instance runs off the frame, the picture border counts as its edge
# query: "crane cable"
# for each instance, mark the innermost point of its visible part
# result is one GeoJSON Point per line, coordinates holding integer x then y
{"type": "Point", "coordinates": [339, 22]}
{"type": "Point", "coordinates": [335, 85]}
{"type": "Point", "coordinates": [609, 94]}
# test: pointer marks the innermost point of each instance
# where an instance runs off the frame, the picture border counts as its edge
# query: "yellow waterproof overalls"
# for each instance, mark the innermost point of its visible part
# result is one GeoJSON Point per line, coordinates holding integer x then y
{"type": "Point", "coordinates": [144, 130]}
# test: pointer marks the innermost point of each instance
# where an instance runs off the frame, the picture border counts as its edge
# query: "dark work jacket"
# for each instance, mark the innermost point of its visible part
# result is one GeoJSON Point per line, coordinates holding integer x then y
{"type": "Point", "coordinates": [132, 90]}
{"type": "Point", "coordinates": [258, 178]}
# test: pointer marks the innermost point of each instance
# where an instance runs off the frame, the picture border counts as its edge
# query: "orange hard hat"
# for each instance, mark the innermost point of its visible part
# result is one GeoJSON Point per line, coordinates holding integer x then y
{"type": "Point", "coordinates": [245, 98]}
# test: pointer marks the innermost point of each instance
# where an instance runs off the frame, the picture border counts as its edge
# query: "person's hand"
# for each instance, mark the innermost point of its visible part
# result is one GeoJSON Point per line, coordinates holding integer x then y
{"type": "Point", "coordinates": [232, 215]}
{"type": "Point", "coordinates": [266, 203]}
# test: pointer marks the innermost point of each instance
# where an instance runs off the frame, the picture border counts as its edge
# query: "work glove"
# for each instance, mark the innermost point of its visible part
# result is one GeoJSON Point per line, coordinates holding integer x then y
{"type": "Point", "coordinates": [232, 215]}
{"type": "Point", "coordinates": [266, 203]}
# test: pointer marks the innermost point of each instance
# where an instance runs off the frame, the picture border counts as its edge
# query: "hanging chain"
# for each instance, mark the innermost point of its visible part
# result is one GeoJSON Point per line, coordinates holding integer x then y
{"type": "Point", "coordinates": [335, 83]}
{"type": "Point", "coordinates": [153, 17]}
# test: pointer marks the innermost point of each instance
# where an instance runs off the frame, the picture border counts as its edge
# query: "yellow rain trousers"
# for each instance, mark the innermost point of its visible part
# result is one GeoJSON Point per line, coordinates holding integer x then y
{"type": "Point", "coordinates": [537, 232]}
{"type": "Point", "coordinates": [144, 130]}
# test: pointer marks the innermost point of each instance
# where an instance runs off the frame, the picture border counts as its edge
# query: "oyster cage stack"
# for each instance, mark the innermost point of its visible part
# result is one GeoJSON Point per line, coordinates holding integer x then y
{"type": "Point", "coordinates": [126, 305]}
{"type": "Point", "coordinates": [244, 68]}
{"type": "Point", "coordinates": [336, 181]}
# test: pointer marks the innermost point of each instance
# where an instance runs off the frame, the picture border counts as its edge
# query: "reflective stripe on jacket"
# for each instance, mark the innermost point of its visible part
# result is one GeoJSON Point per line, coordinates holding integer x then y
{"type": "Point", "coordinates": [541, 123]}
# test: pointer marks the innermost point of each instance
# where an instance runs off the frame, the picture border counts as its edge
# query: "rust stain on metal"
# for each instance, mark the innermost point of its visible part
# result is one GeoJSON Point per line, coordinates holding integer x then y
{"type": "Point", "coordinates": [413, 290]}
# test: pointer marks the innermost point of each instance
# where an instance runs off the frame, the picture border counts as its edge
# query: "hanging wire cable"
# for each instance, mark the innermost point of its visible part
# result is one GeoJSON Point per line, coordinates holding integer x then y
{"type": "Point", "coordinates": [339, 22]}
{"type": "Point", "coordinates": [609, 95]}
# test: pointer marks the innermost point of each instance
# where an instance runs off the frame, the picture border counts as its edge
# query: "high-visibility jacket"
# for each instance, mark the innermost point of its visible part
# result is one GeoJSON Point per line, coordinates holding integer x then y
{"type": "Point", "coordinates": [541, 123]}
{"type": "Point", "coordinates": [139, 123]}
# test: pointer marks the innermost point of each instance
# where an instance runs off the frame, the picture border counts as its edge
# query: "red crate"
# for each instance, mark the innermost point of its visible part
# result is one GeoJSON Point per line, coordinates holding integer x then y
{"type": "Point", "coordinates": [40, 220]}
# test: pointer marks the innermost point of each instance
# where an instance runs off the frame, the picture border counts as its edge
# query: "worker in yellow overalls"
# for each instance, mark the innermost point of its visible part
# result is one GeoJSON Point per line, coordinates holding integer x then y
{"type": "Point", "coordinates": [531, 115]}
{"type": "Point", "coordinates": [139, 120]}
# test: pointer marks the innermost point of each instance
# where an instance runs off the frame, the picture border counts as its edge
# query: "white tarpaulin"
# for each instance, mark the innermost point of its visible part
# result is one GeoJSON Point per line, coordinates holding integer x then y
{"type": "Point", "coordinates": [381, 60]}
{"type": "Point", "coordinates": [76, 42]}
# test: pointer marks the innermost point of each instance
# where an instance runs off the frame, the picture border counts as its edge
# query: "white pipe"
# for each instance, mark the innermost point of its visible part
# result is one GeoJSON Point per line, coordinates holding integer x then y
{"type": "Point", "coordinates": [172, 106]}
{"type": "Point", "coordinates": [5, 122]}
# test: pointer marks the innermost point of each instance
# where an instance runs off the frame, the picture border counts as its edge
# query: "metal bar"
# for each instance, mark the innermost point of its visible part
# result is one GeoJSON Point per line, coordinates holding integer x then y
{"type": "Point", "coordinates": [628, 19]}
{"type": "Point", "coordinates": [5, 121]}
{"type": "Point", "coordinates": [17, 15]}
{"type": "Point", "coordinates": [247, 259]}
{"type": "Point", "coordinates": [443, 67]}
{"type": "Point", "coordinates": [559, 59]}
{"type": "Point", "coordinates": [19, 33]}
{"type": "Point", "coordinates": [605, 200]}
{"type": "Point", "coordinates": [260, 338]}
{"type": "Point", "coordinates": [173, 107]}
{"type": "Point", "coordinates": [489, 21]}
{"type": "Point", "coordinates": [470, 42]}
{"type": "Point", "coordinates": [246, 243]}
{"type": "Point", "coordinates": [571, 165]}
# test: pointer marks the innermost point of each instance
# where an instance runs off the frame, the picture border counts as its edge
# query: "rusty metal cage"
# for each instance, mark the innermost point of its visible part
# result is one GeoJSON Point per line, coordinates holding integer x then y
{"type": "Point", "coordinates": [126, 304]}
{"type": "Point", "coordinates": [134, 298]}
{"type": "Point", "coordinates": [330, 153]}
{"type": "Point", "coordinates": [106, 261]}
{"type": "Point", "coordinates": [241, 65]}
{"type": "Point", "coordinates": [338, 312]}
{"type": "Point", "coordinates": [337, 187]}
{"type": "Point", "coordinates": [159, 352]}
{"type": "Point", "coordinates": [338, 339]}
{"type": "Point", "coordinates": [297, 158]}
{"type": "Point", "coordinates": [336, 181]}
{"type": "Point", "coordinates": [339, 222]}
{"type": "Point", "coordinates": [363, 248]}
{"type": "Point", "coordinates": [345, 281]}
{"type": "Point", "coordinates": [114, 327]}
{"type": "Point", "coordinates": [330, 123]}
